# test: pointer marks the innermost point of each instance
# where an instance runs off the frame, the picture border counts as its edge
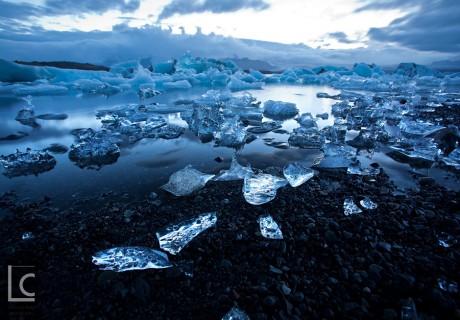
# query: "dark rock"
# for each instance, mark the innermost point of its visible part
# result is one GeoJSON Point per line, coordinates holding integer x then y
{"type": "Point", "coordinates": [390, 314]}
{"type": "Point", "coordinates": [270, 302]}
{"type": "Point", "coordinates": [330, 236]}
{"type": "Point", "coordinates": [106, 278]}
{"type": "Point", "coordinates": [225, 264]}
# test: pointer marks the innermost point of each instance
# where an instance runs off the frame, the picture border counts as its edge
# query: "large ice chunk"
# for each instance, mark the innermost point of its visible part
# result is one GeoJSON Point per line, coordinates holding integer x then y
{"type": "Point", "coordinates": [175, 237]}
{"type": "Point", "coordinates": [93, 149]}
{"type": "Point", "coordinates": [279, 110]}
{"type": "Point", "coordinates": [305, 138]}
{"type": "Point", "coordinates": [121, 259]}
{"type": "Point", "coordinates": [261, 188]}
{"type": "Point", "coordinates": [269, 228]}
{"type": "Point", "coordinates": [231, 133]}
{"type": "Point", "coordinates": [349, 207]}
{"type": "Point", "coordinates": [418, 128]}
{"type": "Point", "coordinates": [27, 163]}
{"type": "Point", "coordinates": [205, 120]}
{"type": "Point", "coordinates": [187, 180]}
{"type": "Point", "coordinates": [236, 171]}
{"type": "Point", "coordinates": [235, 313]}
{"type": "Point", "coordinates": [296, 173]}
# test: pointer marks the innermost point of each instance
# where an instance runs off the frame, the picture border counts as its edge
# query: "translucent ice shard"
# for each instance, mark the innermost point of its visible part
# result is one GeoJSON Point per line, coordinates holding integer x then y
{"type": "Point", "coordinates": [296, 173]}
{"type": "Point", "coordinates": [367, 203]}
{"type": "Point", "coordinates": [27, 163]}
{"type": "Point", "coordinates": [417, 127]}
{"type": "Point", "coordinates": [446, 240]}
{"type": "Point", "coordinates": [231, 133]}
{"type": "Point", "coordinates": [205, 120]}
{"type": "Point", "coordinates": [279, 110]}
{"type": "Point", "coordinates": [269, 228]}
{"type": "Point", "coordinates": [121, 259]}
{"type": "Point", "coordinates": [349, 207]}
{"type": "Point", "coordinates": [235, 313]}
{"type": "Point", "coordinates": [447, 285]}
{"type": "Point", "coordinates": [175, 237]}
{"type": "Point", "coordinates": [145, 93]}
{"type": "Point", "coordinates": [187, 180]}
{"type": "Point", "coordinates": [93, 149]}
{"type": "Point", "coordinates": [355, 167]}
{"type": "Point", "coordinates": [261, 188]}
{"type": "Point", "coordinates": [236, 171]}
{"type": "Point", "coordinates": [26, 116]}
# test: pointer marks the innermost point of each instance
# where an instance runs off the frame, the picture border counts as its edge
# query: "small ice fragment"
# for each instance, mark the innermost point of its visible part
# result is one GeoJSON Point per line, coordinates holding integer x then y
{"type": "Point", "coordinates": [27, 163]}
{"type": "Point", "coordinates": [356, 168]}
{"type": "Point", "coordinates": [448, 285]}
{"type": "Point", "coordinates": [296, 173]}
{"type": "Point", "coordinates": [408, 310]}
{"type": "Point", "coordinates": [235, 313]}
{"type": "Point", "coordinates": [446, 240]}
{"type": "Point", "coordinates": [52, 116]}
{"type": "Point", "coordinates": [145, 93]}
{"type": "Point", "coordinates": [236, 171]}
{"type": "Point", "coordinates": [367, 203]}
{"type": "Point", "coordinates": [27, 236]}
{"type": "Point", "coordinates": [121, 259]}
{"type": "Point", "coordinates": [185, 181]}
{"type": "Point", "coordinates": [279, 110]}
{"type": "Point", "coordinates": [261, 188]}
{"type": "Point", "coordinates": [306, 120]}
{"type": "Point", "coordinates": [26, 116]}
{"type": "Point", "coordinates": [349, 207]}
{"type": "Point", "coordinates": [269, 228]}
{"type": "Point", "coordinates": [175, 237]}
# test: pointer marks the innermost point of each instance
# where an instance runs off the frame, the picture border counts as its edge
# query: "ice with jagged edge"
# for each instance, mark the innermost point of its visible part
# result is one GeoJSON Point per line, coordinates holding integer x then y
{"type": "Point", "coordinates": [368, 204]}
{"type": "Point", "coordinates": [235, 313]}
{"type": "Point", "coordinates": [261, 188]}
{"type": "Point", "coordinates": [418, 127]}
{"type": "Point", "coordinates": [269, 228]}
{"type": "Point", "coordinates": [453, 159]}
{"type": "Point", "coordinates": [264, 127]}
{"type": "Point", "coordinates": [349, 207]}
{"type": "Point", "coordinates": [187, 180]}
{"type": "Point", "coordinates": [27, 163]}
{"type": "Point", "coordinates": [231, 133]}
{"type": "Point", "coordinates": [175, 237]}
{"type": "Point", "coordinates": [26, 116]}
{"type": "Point", "coordinates": [146, 93]}
{"type": "Point", "coordinates": [279, 110]}
{"type": "Point", "coordinates": [205, 120]}
{"type": "Point", "coordinates": [121, 259]}
{"type": "Point", "coordinates": [306, 120]}
{"type": "Point", "coordinates": [236, 171]}
{"type": "Point", "coordinates": [93, 149]}
{"type": "Point", "coordinates": [306, 138]}
{"type": "Point", "coordinates": [297, 174]}
{"type": "Point", "coordinates": [355, 167]}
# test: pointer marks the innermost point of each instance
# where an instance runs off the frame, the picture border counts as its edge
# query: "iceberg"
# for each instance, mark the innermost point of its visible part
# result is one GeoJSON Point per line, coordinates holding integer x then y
{"type": "Point", "coordinates": [269, 228]}
{"type": "Point", "coordinates": [185, 181]}
{"type": "Point", "coordinates": [261, 188]}
{"type": "Point", "coordinates": [175, 237]}
{"type": "Point", "coordinates": [27, 163]}
{"type": "Point", "coordinates": [236, 171]}
{"type": "Point", "coordinates": [93, 149]}
{"type": "Point", "coordinates": [235, 313]}
{"type": "Point", "coordinates": [349, 207]}
{"type": "Point", "coordinates": [368, 204]}
{"type": "Point", "coordinates": [296, 173]}
{"type": "Point", "coordinates": [279, 110]}
{"type": "Point", "coordinates": [121, 259]}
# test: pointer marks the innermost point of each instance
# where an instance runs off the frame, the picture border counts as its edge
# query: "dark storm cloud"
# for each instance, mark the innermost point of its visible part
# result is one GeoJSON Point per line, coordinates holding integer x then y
{"type": "Point", "coordinates": [433, 26]}
{"type": "Point", "coordinates": [58, 7]}
{"type": "Point", "coordinates": [214, 6]}
{"type": "Point", "coordinates": [340, 37]}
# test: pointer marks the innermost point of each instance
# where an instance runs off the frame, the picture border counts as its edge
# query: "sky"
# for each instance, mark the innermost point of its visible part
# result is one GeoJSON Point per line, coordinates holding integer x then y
{"type": "Point", "coordinates": [281, 32]}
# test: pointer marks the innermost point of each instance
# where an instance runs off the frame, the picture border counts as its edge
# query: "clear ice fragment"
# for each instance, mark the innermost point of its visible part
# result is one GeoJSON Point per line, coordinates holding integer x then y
{"type": "Point", "coordinates": [235, 313]}
{"type": "Point", "coordinates": [145, 93]}
{"type": "Point", "coordinates": [231, 133]}
{"type": "Point", "coordinates": [185, 181]}
{"type": "Point", "coordinates": [349, 207]}
{"type": "Point", "coordinates": [27, 236]}
{"type": "Point", "coordinates": [367, 203]}
{"type": "Point", "coordinates": [175, 237]}
{"type": "Point", "coordinates": [26, 116]}
{"type": "Point", "coordinates": [446, 240]}
{"type": "Point", "coordinates": [279, 110]}
{"type": "Point", "coordinates": [296, 173]}
{"type": "Point", "coordinates": [356, 168]}
{"type": "Point", "coordinates": [417, 127]}
{"type": "Point", "coordinates": [305, 138]}
{"type": "Point", "coordinates": [121, 259]}
{"type": "Point", "coordinates": [306, 120]}
{"type": "Point", "coordinates": [447, 285]}
{"type": "Point", "coordinates": [269, 228]}
{"type": "Point", "coordinates": [27, 163]}
{"type": "Point", "coordinates": [236, 171]}
{"type": "Point", "coordinates": [261, 188]}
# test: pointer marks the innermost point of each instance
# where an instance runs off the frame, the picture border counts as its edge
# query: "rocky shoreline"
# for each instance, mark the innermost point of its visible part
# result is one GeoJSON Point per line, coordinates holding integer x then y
{"type": "Point", "coordinates": [328, 266]}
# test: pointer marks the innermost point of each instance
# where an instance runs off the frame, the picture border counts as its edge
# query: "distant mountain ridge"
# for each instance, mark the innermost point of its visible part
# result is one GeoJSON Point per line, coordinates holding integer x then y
{"type": "Point", "coordinates": [451, 65]}
{"type": "Point", "coordinates": [65, 65]}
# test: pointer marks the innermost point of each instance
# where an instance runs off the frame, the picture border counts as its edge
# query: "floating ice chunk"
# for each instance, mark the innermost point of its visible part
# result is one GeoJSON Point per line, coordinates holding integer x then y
{"type": "Point", "coordinates": [170, 131]}
{"type": "Point", "coordinates": [261, 188]}
{"type": "Point", "coordinates": [279, 110]}
{"type": "Point", "coordinates": [264, 127]}
{"type": "Point", "coordinates": [269, 228]}
{"type": "Point", "coordinates": [413, 69]}
{"type": "Point", "coordinates": [296, 173]}
{"type": "Point", "coordinates": [349, 207]}
{"type": "Point", "coordinates": [121, 259]}
{"type": "Point", "coordinates": [367, 203]}
{"type": "Point", "coordinates": [93, 149]}
{"type": "Point", "coordinates": [306, 120]}
{"type": "Point", "coordinates": [231, 133]}
{"type": "Point", "coordinates": [13, 72]}
{"type": "Point", "coordinates": [235, 313]}
{"type": "Point", "coordinates": [185, 181]}
{"type": "Point", "coordinates": [236, 84]}
{"type": "Point", "coordinates": [180, 84]}
{"type": "Point", "coordinates": [236, 171]}
{"type": "Point", "coordinates": [26, 116]}
{"type": "Point", "coordinates": [41, 90]}
{"type": "Point", "coordinates": [417, 127]}
{"type": "Point", "coordinates": [447, 285]}
{"type": "Point", "coordinates": [146, 93]}
{"type": "Point", "coordinates": [205, 120]}
{"type": "Point", "coordinates": [175, 237]}
{"type": "Point", "coordinates": [305, 138]}
{"type": "Point", "coordinates": [27, 163]}
{"type": "Point", "coordinates": [52, 116]}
